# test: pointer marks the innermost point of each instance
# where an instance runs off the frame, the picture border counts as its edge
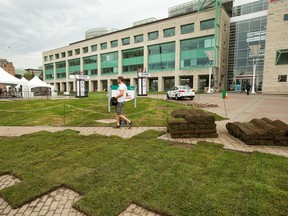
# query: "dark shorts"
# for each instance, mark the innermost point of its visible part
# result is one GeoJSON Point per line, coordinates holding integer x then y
{"type": "Point", "coordinates": [118, 108]}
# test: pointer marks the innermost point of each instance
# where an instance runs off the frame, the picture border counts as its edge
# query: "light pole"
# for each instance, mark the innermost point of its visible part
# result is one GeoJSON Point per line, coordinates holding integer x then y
{"type": "Point", "coordinates": [255, 49]}
{"type": "Point", "coordinates": [210, 55]}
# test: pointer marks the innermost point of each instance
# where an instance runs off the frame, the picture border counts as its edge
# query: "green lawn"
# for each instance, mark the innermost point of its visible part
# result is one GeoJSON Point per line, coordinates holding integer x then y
{"type": "Point", "coordinates": [111, 172]}
{"type": "Point", "coordinates": [84, 111]}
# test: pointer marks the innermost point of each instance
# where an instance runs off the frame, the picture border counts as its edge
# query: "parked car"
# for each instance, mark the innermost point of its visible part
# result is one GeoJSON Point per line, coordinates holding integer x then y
{"type": "Point", "coordinates": [179, 92]}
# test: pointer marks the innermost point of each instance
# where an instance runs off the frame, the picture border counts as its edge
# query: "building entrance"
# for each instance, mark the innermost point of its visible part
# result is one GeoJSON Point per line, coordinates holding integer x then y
{"type": "Point", "coordinates": [242, 81]}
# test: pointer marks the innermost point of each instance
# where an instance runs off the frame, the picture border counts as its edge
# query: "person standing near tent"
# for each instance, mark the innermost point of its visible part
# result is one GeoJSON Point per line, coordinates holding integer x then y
{"type": "Point", "coordinates": [121, 96]}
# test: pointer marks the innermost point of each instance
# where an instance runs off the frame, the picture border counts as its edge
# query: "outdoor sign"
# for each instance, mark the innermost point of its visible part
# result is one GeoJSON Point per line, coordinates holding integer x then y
{"type": "Point", "coordinates": [142, 82]}
{"type": "Point", "coordinates": [80, 83]}
{"type": "Point", "coordinates": [130, 95]}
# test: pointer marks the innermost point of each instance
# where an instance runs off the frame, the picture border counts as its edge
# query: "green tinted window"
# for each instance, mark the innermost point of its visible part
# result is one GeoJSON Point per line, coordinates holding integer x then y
{"type": "Point", "coordinates": [285, 16]}
{"type": "Point", "coordinates": [126, 41]}
{"type": "Point", "coordinates": [77, 51]}
{"type": "Point", "coordinates": [282, 57]}
{"type": "Point", "coordinates": [161, 57]}
{"type": "Point", "coordinates": [85, 49]}
{"type": "Point", "coordinates": [94, 48]}
{"type": "Point", "coordinates": [187, 28]}
{"type": "Point", "coordinates": [153, 35]}
{"type": "Point", "coordinates": [114, 43]}
{"type": "Point", "coordinates": [169, 32]}
{"type": "Point", "coordinates": [103, 46]}
{"type": "Point", "coordinates": [138, 38]}
{"type": "Point", "coordinates": [207, 24]}
{"type": "Point", "coordinates": [192, 52]}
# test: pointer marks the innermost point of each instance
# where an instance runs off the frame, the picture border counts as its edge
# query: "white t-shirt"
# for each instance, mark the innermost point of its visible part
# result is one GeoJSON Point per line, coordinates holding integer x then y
{"type": "Point", "coordinates": [123, 97]}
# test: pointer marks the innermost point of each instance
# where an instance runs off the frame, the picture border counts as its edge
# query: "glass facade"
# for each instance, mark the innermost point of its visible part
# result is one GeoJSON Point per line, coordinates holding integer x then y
{"type": "Point", "coordinates": [161, 57]}
{"type": "Point", "coordinates": [61, 70]}
{"type": "Point", "coordinates": [169, 32]}
{"type": "Point", "coordinates": [74, 65]}
{"type": "Point", "coordinates": [189, 28]}
{"type": "Point", "coordinates": [90, 65]}
{"type": "Point", "coordinates": [138, 38]}
{"type": "Point", "coordinates": [109, 63]}
{"type": "Point", "coordinates": [49, 71]}
{"type": "Point", "coordinates": [132, 59]}
{"type": "Point", "coordinates": [192, 53]}
{"type": "Point", "coordinates": [207, 24]}
{"type": "Point", "coordinates": [153, 35]}
{"type": "Point", "coordinates": [243, 34]}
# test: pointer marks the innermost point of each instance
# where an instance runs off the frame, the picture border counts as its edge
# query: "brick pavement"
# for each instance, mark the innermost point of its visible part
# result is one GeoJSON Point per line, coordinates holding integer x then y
{"type": "Point", "coordinates": [56, 203]}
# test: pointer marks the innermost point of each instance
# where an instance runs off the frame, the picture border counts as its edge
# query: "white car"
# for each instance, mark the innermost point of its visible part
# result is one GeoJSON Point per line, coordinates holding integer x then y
{"type": "Point", "coordinates": [178, 92]}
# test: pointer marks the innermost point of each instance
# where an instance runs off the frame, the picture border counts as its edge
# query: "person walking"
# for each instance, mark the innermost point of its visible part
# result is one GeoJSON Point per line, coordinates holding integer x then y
{"type": "Point", "coordinates": [248, 88]}
{"type": "Point", "coordinates": [121, 96]}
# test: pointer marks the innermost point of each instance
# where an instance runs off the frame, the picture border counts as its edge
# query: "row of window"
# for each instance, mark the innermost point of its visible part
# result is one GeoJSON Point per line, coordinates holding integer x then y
{"type": "Point", "coordinates": [185, 29]}
{"type": "Point", "coordinates": [161, 57]}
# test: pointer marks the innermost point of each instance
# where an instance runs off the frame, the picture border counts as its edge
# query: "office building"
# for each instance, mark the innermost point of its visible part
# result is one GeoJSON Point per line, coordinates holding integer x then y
{"type": "Point", "coordinates": [171, 50]}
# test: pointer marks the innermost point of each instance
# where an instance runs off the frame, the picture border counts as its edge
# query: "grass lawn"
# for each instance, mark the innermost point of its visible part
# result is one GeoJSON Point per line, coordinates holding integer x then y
{"type": "Point", "coordinates": [84, 111]}
{"type": "Point", "coordinates": [111, 172]}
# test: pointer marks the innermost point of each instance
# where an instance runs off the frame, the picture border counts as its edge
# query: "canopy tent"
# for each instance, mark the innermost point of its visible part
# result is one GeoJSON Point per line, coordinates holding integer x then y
{"type": "Point", "coordinates": [24, 80]}
{"type": "Point", "coordinates": [36, 82]}
{"type": "Point", "coordinates": [6, 78]}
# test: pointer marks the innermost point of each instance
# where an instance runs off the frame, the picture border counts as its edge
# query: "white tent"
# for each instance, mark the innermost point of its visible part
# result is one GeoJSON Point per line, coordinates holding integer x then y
{"type": "Point", "coordinates": [36, 82]}
{"type": "Point", "coordinates": [6, 78]}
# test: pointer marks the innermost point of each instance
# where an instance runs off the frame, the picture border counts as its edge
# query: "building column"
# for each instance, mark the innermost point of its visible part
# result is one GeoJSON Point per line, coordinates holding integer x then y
{"type": "Point", "coordinates": [99, 65]}
{"type": "Point", "coordinates": [195, 82]}
{"type": "Point", "coordinates": [160, 84]}
{"type": "Point", "coordinates": [119, 62]}
{"type": "Point", "coordinates": [176, 80]}
{"type": "Point", "coordinates": [145, 56]}
{"type": "Point", "coordinates": [177, 56]}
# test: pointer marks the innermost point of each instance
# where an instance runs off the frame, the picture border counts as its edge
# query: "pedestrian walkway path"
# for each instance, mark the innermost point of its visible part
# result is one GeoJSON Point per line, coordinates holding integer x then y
{"type": "Point", "coordinates": [227, 140]}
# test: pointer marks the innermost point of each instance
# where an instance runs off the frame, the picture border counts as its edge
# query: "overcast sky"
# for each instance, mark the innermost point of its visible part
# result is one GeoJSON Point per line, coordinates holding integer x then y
{"type": "Point", "coordinates": [29, 27]}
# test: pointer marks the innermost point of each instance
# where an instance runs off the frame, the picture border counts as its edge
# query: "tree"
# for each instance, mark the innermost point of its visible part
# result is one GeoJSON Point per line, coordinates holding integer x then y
{"type": "Point", "coordinates": [29, 75]}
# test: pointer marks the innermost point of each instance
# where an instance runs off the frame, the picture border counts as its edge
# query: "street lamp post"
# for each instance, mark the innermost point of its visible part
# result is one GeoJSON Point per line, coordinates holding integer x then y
{"type": "Point", "coordinates": [255, 49]}
{"type": "Point", "coordinates": [210, 55]}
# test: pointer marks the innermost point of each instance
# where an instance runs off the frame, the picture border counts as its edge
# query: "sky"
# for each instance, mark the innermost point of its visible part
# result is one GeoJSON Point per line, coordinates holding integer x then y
{"type": "Point", "coordinates": [30, 27]}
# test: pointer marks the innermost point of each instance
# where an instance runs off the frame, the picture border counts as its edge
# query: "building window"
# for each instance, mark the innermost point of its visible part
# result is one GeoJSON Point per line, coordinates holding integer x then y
{"type": "Point", "coordinates": [185, 29]}
{"type": "Point", "coordinates": [138, 38]}
{"type": "Point", "coordinates": [114, 43]}
{"type": "Point", "coordinates": [282, 78]}
{"type": "Point", "coordinates": [57, 56]}
{"type": "Point", "coordinates": [109, 63]}
{"type": "Point", "coordinates": [132, 59]}
{"type": "Point", "coordinates": [63, 54]}
{"type": "Point", "coordinates": [94, 48]}
{"type": "Point", "coordinates": [161, 57]}
{"type": "Point", "coordinates": [77, 51]}
{"type": "Point", "coordinates": [70, 53]}
{"type": "Point", "coordinates": [85, 49]}
{"type": "Point", "coordinates": [286, 17]}
{"type": "Point", "coordinates": [103, 46]}
{"type": "Point", "coordinates": [169, 32]}
{"type": "Point", "coordinates": [153, 35]}
{"type": "Point", "coordinates": [126, 41]}
{"type": "Point", "coordinates": [207, 24]}
{"type": "Point", "coordinates": [50, 57]}
{"type": "Point", "coordinates": [45, 58]}
{"type": "Point", "coordinates": [282, 57]}
{"type": "Point", "coordinates": [192, 53]}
